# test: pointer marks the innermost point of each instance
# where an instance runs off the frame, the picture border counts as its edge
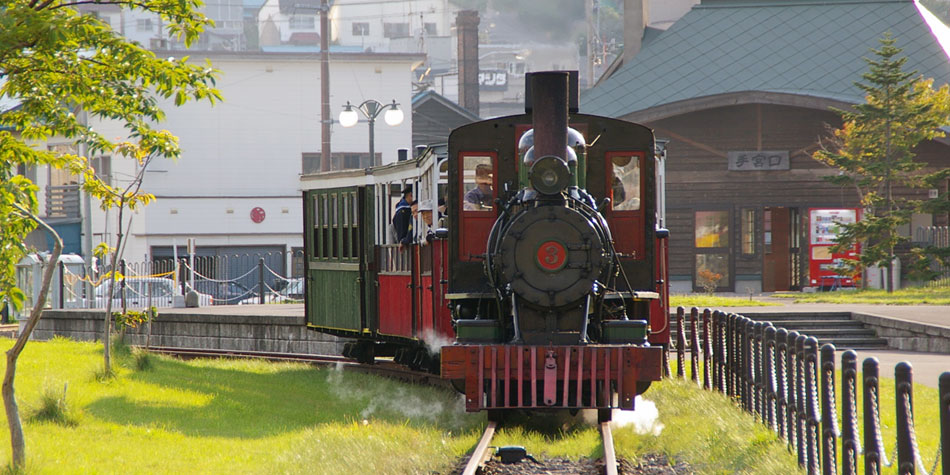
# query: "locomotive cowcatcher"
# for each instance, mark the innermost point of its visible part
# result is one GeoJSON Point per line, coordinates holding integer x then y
{"type": "Point", "coordinates": [547, 269]}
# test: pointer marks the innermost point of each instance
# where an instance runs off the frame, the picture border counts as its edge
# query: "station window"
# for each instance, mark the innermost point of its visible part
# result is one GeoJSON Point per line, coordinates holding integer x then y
{"type": "Point", "coordinates": [477, 183]}
{"type": "Point", "coordinates": [625, 183]}
{"type": "Point", "coordinates": [748, 231]}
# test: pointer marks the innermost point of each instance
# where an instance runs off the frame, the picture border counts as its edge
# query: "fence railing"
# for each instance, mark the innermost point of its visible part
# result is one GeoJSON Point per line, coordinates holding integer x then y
{"type": "Point", "coordinates": [788, 383]}
{"type": "Point", "coordinates": [163, 282]}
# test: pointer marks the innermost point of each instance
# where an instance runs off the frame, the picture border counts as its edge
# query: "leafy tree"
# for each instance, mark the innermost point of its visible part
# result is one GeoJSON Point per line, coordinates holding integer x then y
{"type": "Point", "coordinates": [59, 66]}
{"type": "Point", "coordinates": [874, 149]}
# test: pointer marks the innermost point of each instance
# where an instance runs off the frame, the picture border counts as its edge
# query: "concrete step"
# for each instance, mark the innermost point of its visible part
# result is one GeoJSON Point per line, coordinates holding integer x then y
{"type": "Point", "coordinates": [836, 328]}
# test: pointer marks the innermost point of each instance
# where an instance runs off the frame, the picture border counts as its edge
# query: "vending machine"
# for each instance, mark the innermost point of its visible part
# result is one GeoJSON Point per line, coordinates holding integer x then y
{"type": "Point", "coordinates": [825, 267]}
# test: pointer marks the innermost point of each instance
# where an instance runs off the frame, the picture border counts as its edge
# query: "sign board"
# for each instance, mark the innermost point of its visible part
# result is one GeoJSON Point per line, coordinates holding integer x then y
{"type": "Point", "coordinates": [763, 160]}
{"type": "Point", "coordinates": [493, 80]}
{"type": "Point", "coordinates": [825, 223]}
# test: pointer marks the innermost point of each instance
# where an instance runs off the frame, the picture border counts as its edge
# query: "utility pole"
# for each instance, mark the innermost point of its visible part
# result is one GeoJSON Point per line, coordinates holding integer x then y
{"type": "Point", "coordinates": [325, 118]}
{"type": "Point", "coordinates": [591, 34]}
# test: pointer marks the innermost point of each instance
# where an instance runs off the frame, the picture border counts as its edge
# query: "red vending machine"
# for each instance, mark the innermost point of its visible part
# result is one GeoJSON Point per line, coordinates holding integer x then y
{"type": "Point", "coordinates": [824, 265]}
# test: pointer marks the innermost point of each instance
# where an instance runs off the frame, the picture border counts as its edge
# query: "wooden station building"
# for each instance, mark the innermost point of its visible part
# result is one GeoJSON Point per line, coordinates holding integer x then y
{"type": "Point", "coordinates": [742, 90]}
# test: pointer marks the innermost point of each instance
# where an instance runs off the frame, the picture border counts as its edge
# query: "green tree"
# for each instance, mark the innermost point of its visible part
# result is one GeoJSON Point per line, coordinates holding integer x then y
{"type": "Point", "coordinates": [874, 149]}
{"type": "Point", "coordinates": [59, 67]}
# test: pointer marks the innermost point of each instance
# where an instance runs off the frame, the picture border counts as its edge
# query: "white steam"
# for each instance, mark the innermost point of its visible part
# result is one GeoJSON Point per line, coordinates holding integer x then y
{"type": "Point", "coordinates": [645, 418]}
{"type": "Point", "coordinates": [434, 342]}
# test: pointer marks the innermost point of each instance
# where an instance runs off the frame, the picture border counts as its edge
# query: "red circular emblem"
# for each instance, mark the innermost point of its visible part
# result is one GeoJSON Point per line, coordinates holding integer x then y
{"type": "Point", "coordinates": [552, 256]}
{"type": "Point", "coordinates": [257, 214]}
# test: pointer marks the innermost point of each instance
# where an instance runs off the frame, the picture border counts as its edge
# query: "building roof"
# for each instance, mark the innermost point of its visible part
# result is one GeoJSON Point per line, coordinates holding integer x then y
{"type": "Point", "coordinates": [787, 47]}
{"type": "Point", "coordinates": [434, 117]}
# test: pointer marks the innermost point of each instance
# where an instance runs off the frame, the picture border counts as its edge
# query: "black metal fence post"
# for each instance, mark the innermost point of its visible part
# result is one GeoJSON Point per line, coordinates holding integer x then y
{"type": "Point", "coordinates": [260, 279]}
{"type": "Point", "coordinates": [680, 343]}
{"type": "Point", "coordinates": [694, 345]}
{"type": "Point", "coordinates": [907, 452]}
{"type": "Point", "coordinates": [768, 377]}
{"type": "Point", "coordinates": [850, 444]}
{"type": "Point", "coordinates": [707, 357]}
{"type": "Point", "coordinates": [758, 381]}
{"type": "Point", "coordinates": [791, 391]}
{"type": "Point", "coordinates": [812, 412]}
{"type": "Point", "coordinates": [781, 380]}
{"type": "Point", "coordinates": [800, 396]}
{"type": "Point", "coordinates": [944, 386]}
{"type": "Point", "coordinates": [730, 355]}
{"type": "Point", "coordinates": [745, 367]}
{"type": "Point", "coordinates": [718, 350]}
{"type": "Point", "coordinates": [873, 450]}
{"type": "Point", "coordinates": [829, 412]}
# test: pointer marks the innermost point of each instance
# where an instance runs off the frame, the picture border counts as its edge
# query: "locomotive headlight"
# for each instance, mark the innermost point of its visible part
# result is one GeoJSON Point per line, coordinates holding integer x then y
{"type": "Point", "coordinates": [549, 175]}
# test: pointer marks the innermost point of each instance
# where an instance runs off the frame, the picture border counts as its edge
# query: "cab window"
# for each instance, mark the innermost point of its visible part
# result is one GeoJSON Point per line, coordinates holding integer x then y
{"type": "Point", "coordinates": [625, 183]}
{"type": "Point", "coordinates": [477, 183]}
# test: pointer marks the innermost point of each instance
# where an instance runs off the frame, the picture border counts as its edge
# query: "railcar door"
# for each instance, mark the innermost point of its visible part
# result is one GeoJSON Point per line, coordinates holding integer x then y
{"type": "Point", "coordinates": [335, 268]}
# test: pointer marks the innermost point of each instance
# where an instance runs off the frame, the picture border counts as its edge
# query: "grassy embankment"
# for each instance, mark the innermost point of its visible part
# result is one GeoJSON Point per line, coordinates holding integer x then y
{"type": "Point", "coordinates": [906, 296]}
{"type": "Point", "coordinates": [241, 416]}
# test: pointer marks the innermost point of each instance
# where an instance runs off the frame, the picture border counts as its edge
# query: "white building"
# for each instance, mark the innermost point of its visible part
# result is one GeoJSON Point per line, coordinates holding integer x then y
{"type": "Point", "coordinates": [235, 188]}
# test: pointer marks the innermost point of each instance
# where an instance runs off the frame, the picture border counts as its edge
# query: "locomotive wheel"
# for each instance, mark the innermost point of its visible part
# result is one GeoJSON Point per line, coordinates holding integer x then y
{"type": "Point", "coordinates": [365, 352]}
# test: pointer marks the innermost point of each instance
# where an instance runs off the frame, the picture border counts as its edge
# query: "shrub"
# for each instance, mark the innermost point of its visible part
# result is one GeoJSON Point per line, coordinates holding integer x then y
{"type": "Point", "coordinates": [53, 408]}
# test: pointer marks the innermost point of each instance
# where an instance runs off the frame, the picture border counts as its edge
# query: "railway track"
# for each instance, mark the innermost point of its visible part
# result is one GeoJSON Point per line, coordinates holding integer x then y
{"type": "Point", "coordinates": [483, 451]}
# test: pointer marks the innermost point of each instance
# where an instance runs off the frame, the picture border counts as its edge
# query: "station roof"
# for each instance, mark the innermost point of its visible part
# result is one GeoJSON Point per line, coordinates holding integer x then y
{"type": "Point", "coordinates": [792, 47]}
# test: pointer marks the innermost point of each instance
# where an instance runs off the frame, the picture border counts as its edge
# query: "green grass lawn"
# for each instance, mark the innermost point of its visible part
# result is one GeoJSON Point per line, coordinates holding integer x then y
{"type": "Point", "coordinates": [248, 416]}
{"type": "Point", "coordinates": [703, 301]}
{"type": "Point", "coordinates": [906, 296]}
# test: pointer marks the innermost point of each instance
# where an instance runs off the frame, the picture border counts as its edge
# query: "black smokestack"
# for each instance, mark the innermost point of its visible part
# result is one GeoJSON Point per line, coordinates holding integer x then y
{"type": "Point", "coordinates": [549, 95]}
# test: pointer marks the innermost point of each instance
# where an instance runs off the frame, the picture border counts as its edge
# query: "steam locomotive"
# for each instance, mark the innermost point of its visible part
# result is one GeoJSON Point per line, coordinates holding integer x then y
{"type": "Point", "coordinates": [543, 285]}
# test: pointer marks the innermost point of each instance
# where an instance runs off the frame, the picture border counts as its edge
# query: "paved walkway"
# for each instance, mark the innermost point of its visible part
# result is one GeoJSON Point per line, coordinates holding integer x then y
{"type": "Point", "coordinates": [927, 366]}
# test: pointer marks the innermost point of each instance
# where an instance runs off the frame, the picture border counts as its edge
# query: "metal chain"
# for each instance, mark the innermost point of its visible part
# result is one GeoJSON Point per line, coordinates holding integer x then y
{"type": "Point", "coordinates": [833, 405]}
{"type": "Point", "coordinates": [913, 432]}
{"type": "Point", "coordinates": [877, 418]}
{"type": "Point", "coordinates": [854, 414]}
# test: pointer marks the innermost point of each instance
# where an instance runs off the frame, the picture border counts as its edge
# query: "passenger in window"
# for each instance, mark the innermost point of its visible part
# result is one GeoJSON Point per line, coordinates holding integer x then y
{"type": "Point", "coordinates": [442, 209]}
{"type": "Point", "coordinates": [425, 235]}
{"type": "Point", "coordinates": [480, 197]}
{"type": "Point", "coordinates": [402, 218]}
{"type": "Point", "coordinates": [413, 213]}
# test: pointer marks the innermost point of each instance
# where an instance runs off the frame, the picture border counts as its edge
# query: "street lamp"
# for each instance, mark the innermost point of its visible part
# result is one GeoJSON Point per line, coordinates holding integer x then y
{"type": "Point", "coordinates": [371, 110]}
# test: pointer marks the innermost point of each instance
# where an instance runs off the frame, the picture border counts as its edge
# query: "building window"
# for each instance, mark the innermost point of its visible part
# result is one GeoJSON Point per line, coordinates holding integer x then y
{"type": "Point", "coordinates": [430, 29]}
{"type": "Point", "coordinates": [767, 223]}
{"type": "Point", "coordinates": [395, 30]}
{"type": "Point", "coordinates": [103, 167]}
{"type": "Point", "coordinates": [302, 22]}
{"type": "Point", "coordinates": [712, 241]}
{"type": "Point", "coordinates": [360, 29]}
{"type": "Point", "coordinates": [712, 229]}
{"type": "Point", "coordinates": [748, 231]}
{"type": "Point", "coordinates": [143, 24]}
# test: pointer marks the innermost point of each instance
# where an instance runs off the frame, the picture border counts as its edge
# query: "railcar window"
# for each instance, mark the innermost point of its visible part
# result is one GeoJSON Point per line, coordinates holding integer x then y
{"type": "Point", "coordinates": [477, 183]}
{"type": "Point", "coordinates": [625, 187]}
{"type": "Point", "coordinates": [346, 226]}
{"type": "Point", "coordinates": [355, 226]}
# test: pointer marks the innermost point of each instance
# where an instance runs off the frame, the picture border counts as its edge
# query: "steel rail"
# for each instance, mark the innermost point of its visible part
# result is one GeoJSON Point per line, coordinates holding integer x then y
{"type": "Point", "coordinates": [610, 457]}
{"type": "Point", "coordinates": [481, 452]}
